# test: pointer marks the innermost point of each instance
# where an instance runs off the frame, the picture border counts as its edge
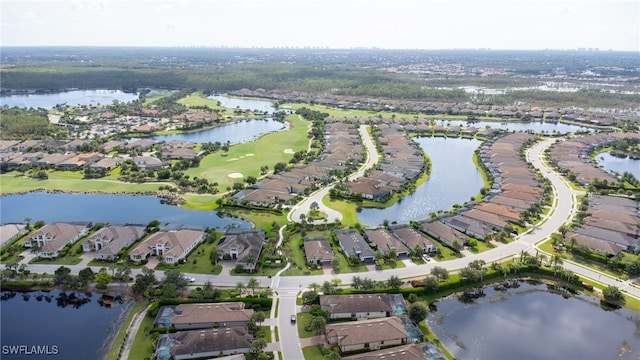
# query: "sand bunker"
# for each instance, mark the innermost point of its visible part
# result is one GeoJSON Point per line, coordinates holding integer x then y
{"type": "Point", "coordinates": [235, 175]}
{"type": "Point", "coordinates": [289, 151]}
{"type": "Point", "coordinates": [249, 154]}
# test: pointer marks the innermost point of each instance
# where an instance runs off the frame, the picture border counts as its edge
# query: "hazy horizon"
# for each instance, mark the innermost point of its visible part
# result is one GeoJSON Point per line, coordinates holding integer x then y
{"type": "Point", "coordinates": [346, 24]}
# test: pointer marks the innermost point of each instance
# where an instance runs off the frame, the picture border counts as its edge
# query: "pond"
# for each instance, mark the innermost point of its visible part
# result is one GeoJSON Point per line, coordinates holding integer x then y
{"type": "Point", "coordinates": [65, 325]}
{"type": "Point", "coordinates": [76, 97]}
{"type": "Point", "coordinates": [454, 179]}
{"type": "Point", "coordinates": [235, 133]}
{"type": "Point", "coordinates": [530, 322]}
{"type": "Point", "coordinates": [115, 209]}
{"type": "Point", "coordinates": [619, 165]}
{"type": "Point", "coordinates": [535, 126]}
{"type": "Point", "coordinates": [244, 103]}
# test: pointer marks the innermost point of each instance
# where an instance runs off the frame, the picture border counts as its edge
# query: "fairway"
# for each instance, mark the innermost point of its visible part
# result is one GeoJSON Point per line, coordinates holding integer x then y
{"type": "Point", "coordinates": [246, 159]}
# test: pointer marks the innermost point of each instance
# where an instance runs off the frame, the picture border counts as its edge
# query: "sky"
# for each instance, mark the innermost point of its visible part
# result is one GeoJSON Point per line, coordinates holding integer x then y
{"type": "Point", "coordinates": [391, 24]}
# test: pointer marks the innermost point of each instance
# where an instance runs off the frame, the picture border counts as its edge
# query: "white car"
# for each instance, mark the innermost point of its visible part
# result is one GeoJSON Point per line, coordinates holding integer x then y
{"type": "Point", "coordinates": [191, 279]}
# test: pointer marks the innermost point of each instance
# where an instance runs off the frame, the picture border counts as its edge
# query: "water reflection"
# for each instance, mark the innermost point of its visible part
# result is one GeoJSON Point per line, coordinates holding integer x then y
{"type": "Point", "coordinates": [234, 133]}
{"type": "Point", "coordinates": [454, 179]}
{"type": "Point", "coordinates": [531, 322]}
{"type": "Point", "coordinates": [244, 104]}
{"type": "Point", "coordinates": [535, 126]}
{"type": "Point", "coordinates": [115, 209]}
{"type": "Point", "coordinates": [619, 165]}
{"type": "Point", "coordinates": [73, 98]}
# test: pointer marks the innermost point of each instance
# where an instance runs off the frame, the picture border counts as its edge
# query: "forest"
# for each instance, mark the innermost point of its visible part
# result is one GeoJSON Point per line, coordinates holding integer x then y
{"type": "Point", "coordinates": [439, 76]}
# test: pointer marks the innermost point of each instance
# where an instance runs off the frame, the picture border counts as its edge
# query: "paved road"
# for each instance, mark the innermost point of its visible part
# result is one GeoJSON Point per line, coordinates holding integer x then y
{"type": "Point", "coordinates": [287, 286]}
{"type": "Point", "coordinates": [332, 215]}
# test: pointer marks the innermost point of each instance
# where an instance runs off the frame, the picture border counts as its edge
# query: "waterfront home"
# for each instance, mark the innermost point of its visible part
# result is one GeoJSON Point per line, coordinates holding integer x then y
{"type": "Point", "coordinates": [243, 246]}
{"type": "Point", "coordinates": [109, 241]}
{"type": "Point", "coordinates": [445, 234]}
{"type": "Point", "coordinates": [357, 306]}
{"type": "Point", "coordinates": [150, 163]}
{"type": "Point", "coordinates": [353, 244]}
{"type": "Point", "coordinates": [209, 343]}
{"type": "Point", "coordinates": [203, 315]}
{"type": "Point", "coordinates": [469, 226]}
{"type": "Point", "coordinates": [172, 245]}
{"type": "Point", "coordinates": [367, 334]}
{"type": "Point", "coordinates": [423, 351]}
{"type": "Point", "coordinates": [8, 232]}
{"type": "Point", "coordinates": [412, 237]}
{"type": "Point", "coordinates": [318, 251]}
{"type": "Point", "coordinates": [51, 238]}
{"type": "Point", "coordinates": [385, 241]}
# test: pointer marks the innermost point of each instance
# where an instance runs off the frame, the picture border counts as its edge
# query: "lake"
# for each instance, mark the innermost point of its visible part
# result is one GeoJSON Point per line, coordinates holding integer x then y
{"type": "Point", "coordinates": [535, 126]}
{"type": "Point", "coordinates": [454, 179]}
{"type": "Point", "coordinates": [76, 97]}
{"type": "Point", "coordinates": [244, 104]}
{"type": "Point", "coordinates": [529, 322]}
{"type": "Point", "coordinates": [115, 209]}
{"type": "Point", "coordinates": [619, 165]}
{"type": "Point", "coordinates": [236, 133]}
{"type": "Point", "coordinates": [66, 325]}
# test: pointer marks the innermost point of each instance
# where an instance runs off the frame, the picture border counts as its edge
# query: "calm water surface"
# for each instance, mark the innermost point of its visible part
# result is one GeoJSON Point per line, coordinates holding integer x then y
{"type": "Point", "coordinates": [77, 97]}
{"type": "Point", "coordinates": [235, 133]}
{"type": "Point", "coordinates": [78, 329]}
{"type": "Point", "coordinates": [115, 209]}
{"type": "Point", "coordinates": [536, 126]}
{"type": "Point", "coordinates": [619, 165]}
{"type": "Point", "coordinates": [244, 104]}
{"type": "Point", "coordinates": [454, 179]}
{"type": "Point", "coordinates": [531, 323]}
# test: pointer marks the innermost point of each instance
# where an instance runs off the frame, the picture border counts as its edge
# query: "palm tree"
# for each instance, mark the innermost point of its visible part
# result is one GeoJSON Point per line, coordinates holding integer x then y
{"type": "Point", "coordinates": [239, 287]}
{"type": "Point", "coordinates": [252, 284]}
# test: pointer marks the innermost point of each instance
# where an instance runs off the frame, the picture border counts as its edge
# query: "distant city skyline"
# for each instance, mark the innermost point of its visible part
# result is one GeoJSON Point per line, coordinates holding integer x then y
{"type": "Point", "coordinates": [389, 24]}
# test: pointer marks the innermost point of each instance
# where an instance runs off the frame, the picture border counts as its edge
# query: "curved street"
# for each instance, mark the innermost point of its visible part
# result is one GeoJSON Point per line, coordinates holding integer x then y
{"type": "Point", "coordinates": [304, 206]}
{"type": "Point", "coordinates": [286, 288]}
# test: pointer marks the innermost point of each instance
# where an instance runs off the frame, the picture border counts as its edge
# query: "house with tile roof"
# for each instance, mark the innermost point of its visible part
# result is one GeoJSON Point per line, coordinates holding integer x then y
{"type": "Point", "coordinates": [171, 245]}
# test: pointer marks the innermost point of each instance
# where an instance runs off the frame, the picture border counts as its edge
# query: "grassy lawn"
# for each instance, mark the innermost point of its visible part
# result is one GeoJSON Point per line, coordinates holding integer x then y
{"type": "Point", "coordinates": [312, 353]}
{"type": "Point", "coordinates": [206, 202]}
{"type": "Point", "coordinates": [481, 246]}
{"type": "Point", "coordinates": [143, 344]}
{"type": "Point", "coordinates": [446, 253]}
{"type": "Point", "coordinates": [247, 158]}
{"type": "Point", "coordinates": [344, 267]}
{"type": "Point", "coordinates": [266, 330]}
{"type": "Point", "coordinates": [347, 209]}
{"type": "Point", "coordinates": [393, 265]}
{"type": "Point", "coordinates": [304, 319]}
{"type": "Point", "coordinates": [119, 339]}
{"type": "Point", "coordinates": [299, 262]}
{"type": "Point", "coordinates": [72, 257]}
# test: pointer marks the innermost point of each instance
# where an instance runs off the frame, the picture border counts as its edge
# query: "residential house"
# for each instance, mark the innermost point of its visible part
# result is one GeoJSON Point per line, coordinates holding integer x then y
{"type": "Point", "coordinates": [367, 334]}
{"type": "Point", "coordinates": [149, 163]}
{"type": "Point", "coordinates": [447, 235]}
{"type": "Point", "coordinates": [423, 351]}
{"type": "Point", "coordinates": [318, 251]}
{"type": "Point", "coordinates": [171, 245]}
{"type": "Point", "coordinates": [109, 241]}
{"type": "Point", "coordinates": [209, 343]}
{"type": "Point", "coordinates": [412, 237]}
{"type": "Point", "coordinates": [357, 306]}
{"type": "Point", "coordinates": [51, 238]}
{"type": "Point", "coordinates": [203, 315]}
{"type": "Point", "coordinates": [243, 246]}
{"type": "Point", "coordinates": [9, 232]}
{"type": "Point", "coordinates": [353, 244]}
{"type": "Point", "coordinates": [385, 241]}
{"type": "Point", "coordinates": [469, 226]}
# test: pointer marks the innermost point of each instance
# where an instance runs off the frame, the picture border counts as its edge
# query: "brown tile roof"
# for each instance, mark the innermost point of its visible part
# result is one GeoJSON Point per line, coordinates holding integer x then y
{"type": "Point", "coordinates": [365, 331]}
{"type": "Point", "coordinates": [211, 313]}
{"type": "Point", "coordinates": [356, 303]}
